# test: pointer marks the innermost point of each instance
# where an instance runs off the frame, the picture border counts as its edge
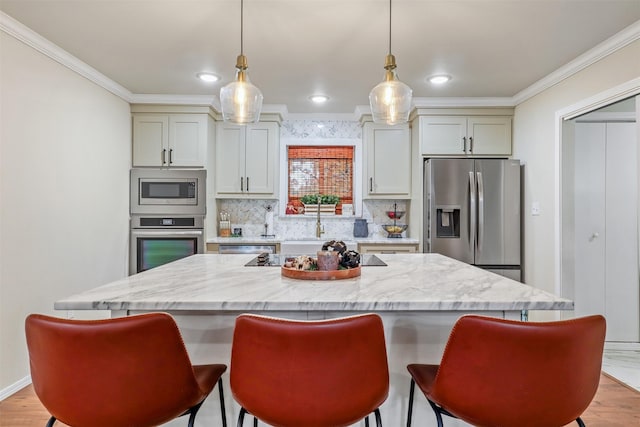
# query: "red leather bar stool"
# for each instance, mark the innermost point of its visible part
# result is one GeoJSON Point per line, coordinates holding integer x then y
{"type": "Point", "coordinates": [497, 372]}
{"type": "Point", "coordinates": [327, 373]}
{"type": "Point", "coordinates": [128, 371]}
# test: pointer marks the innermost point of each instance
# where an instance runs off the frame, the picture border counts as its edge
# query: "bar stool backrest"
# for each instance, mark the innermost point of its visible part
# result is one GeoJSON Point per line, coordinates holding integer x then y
{"type": "Point", "coordinates": [326, 373]}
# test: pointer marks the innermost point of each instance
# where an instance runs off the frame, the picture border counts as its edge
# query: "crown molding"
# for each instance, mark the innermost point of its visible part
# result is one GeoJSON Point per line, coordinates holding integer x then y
{"type": "Point", "coordinates": [593, 55]}
{"type": "Point", "coordinates": [462, 102]}
{"type": "Point", "coordinates": [36, 41]}
{"type": "Point", "coordinates": [166, 99]}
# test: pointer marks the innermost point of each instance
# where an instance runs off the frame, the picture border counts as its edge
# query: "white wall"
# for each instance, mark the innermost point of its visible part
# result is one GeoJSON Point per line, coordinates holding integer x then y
{"type": "Point", "coordinates": [534, 143]}
{"type": "Point", "coordinates": [64, 161]}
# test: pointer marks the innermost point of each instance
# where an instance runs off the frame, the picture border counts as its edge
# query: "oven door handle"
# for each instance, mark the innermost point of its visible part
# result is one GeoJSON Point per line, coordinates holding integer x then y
{"type": "Point", "coordinates": [163, 233]}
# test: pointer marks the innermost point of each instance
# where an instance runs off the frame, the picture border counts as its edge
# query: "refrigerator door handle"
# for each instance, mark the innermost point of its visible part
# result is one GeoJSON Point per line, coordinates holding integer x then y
{"type": "Point", "coordinates": [472, 210]}
{"type": "Point", "coordinates": [480, 210]}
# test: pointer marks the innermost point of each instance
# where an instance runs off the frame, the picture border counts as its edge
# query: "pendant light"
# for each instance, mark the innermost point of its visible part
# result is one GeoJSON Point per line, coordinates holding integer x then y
{"type": "Point", "coordinates": [390, 100]}
{"type": "Point", "coordinates": [240, 100]}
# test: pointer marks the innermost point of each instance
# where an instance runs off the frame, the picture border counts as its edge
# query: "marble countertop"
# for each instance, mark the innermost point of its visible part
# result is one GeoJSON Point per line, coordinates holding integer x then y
{"type": "Point", "coordinates": [409, 282]}
{"type": "Point", "coordinates": [279, 239]}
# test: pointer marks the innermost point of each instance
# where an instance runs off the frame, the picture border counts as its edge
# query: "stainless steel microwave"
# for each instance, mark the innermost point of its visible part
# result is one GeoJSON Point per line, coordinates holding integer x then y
{"type": "Point", "coordinates": [168, 191]}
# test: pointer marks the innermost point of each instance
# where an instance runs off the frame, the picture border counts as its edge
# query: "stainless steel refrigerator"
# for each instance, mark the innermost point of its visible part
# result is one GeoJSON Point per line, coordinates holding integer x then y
{"type": "Point", "coordinates": [472, 212]}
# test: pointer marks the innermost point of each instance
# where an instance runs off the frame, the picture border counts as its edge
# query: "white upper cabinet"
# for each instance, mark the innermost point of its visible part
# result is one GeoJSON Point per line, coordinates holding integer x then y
{"type": "Point", "coordinates": [387, 153]}
{"type": "Point", "coordinates": [465, 135]}
{"type": "Point", "coordinates": [247, 160]}
{"type": "Point", "coordinates": [163, 140]}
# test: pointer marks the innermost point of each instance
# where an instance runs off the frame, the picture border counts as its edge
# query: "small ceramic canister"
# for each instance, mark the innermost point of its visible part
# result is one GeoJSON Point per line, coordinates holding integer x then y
{"type": "Point", "coordinates": [327, 260]}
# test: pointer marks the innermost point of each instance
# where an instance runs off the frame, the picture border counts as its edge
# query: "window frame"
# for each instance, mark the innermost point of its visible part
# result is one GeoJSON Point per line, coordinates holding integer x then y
{"type": "Point", "coordinates": [284, 169]}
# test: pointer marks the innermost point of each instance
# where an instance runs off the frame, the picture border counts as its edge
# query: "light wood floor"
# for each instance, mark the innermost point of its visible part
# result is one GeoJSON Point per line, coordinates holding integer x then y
{"type": "Point", "coordinates": [615, 405]}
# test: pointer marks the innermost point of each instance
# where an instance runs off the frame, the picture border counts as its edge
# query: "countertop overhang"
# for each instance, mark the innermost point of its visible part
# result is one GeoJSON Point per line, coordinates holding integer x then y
{"type": "Point", "coordinates": [409, 282]}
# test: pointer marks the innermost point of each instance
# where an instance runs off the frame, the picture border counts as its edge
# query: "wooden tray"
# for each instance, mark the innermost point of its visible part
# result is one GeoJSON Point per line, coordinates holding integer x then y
{"type": "Point", "coordinates": [294, 273]}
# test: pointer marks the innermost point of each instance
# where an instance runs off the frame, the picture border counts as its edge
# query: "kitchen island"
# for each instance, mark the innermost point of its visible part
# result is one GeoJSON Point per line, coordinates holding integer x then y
{"type": "Point", "coordinates": [418, 296]}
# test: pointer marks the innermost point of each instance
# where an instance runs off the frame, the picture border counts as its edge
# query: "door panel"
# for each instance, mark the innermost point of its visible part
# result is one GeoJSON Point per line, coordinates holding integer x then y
{"type": "Point", "coordinates": [590, 218]}
{"type": "Point", "coordinates": [498, 241]}
{"type": "Point", "coordinates": [448, 190]}
{"type": "Point", "coordinates": [621, 271]}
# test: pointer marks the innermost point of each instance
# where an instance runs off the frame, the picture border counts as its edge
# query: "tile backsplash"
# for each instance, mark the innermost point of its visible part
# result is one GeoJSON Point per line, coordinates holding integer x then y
{"type": "Point", "coordinates": [251, 215]}
{"type": "Point", "coordinates": [320, 129]}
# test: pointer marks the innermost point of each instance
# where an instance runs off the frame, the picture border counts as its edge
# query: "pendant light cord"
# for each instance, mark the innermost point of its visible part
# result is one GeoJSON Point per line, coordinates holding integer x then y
{"type": "Point", "coordinates": [242, 26]}
{"type": "Point", "coordinates": [389, 27]}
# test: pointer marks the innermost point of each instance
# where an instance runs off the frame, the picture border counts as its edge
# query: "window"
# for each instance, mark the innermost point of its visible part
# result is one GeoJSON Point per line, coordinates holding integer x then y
{"type": "Point", "coordinates": [327, 167]}
{"type": "Point", "coordinates": [320, 170]}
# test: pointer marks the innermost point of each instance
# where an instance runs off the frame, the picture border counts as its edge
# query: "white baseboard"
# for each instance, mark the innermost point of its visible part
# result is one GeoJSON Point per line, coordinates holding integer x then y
{"type": "Point", "coordinates": [15, 387]}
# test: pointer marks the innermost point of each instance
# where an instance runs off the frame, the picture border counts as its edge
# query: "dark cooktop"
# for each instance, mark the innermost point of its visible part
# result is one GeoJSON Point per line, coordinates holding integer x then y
{"type": "Point", "coordinates": [277, 260]}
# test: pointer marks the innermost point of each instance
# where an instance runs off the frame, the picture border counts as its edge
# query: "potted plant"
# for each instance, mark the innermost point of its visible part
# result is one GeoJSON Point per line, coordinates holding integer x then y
{"type": "Point", "coordinates": [328, 203]}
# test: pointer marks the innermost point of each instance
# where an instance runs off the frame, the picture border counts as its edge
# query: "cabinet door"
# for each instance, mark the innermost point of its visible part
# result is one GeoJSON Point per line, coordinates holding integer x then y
{"type": "Point", "coordinates": [489, 135]}
{"type": "Point", "coordinates": [388, 160]}
{"type": "Point", "coordinates": [260, 158]}
{"type": "Point", "coordinates": [443, 135]}
{"type": "Point", "coordinates": [187, 140]}
{"type": "Point", "coordinates": [229, 159]}
{"type": "Point", "coordinates": [150, 140]}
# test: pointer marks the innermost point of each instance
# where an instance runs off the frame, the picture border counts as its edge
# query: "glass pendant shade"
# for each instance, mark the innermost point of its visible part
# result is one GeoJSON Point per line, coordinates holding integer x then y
{"type": "Point", "coordinates": [241, 101]}
{"type": "Point", "coordinates": [390, 100]}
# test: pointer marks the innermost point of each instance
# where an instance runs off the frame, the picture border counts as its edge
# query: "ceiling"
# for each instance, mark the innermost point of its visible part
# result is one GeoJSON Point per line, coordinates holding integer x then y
{"type": "Point", "coordinates": [297, 48]}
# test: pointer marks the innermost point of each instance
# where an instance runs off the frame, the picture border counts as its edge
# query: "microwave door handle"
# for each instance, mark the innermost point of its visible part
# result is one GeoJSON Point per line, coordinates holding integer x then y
{"type": "Point", "coordinates": [472, 210]}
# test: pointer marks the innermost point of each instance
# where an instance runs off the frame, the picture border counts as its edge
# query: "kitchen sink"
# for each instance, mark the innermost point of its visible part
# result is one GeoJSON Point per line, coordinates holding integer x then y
{"type": "Point", "coordinates": [309, 246]}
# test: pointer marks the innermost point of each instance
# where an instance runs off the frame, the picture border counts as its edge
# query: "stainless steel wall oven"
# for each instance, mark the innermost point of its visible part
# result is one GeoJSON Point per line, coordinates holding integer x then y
{"type": "Point", "coordinates": [157, 240]}
{"type": "Point", "coordinates": [167, 216]}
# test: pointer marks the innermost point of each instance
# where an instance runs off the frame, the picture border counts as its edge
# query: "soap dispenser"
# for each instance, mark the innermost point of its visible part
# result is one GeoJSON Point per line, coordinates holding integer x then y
{"type": "Point", "coordinates": [360, 228]}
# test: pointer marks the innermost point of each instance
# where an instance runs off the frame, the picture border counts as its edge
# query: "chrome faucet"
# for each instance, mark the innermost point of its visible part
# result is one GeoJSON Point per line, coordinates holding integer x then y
{"type": "Point", "coordinates": [319, 226]}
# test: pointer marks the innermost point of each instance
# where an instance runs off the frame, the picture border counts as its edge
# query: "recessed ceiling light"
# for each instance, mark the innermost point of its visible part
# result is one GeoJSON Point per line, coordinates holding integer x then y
{"type": "Point", "coordinates": [208, 77]}
{"type": "Point", "coordinates": [439, 79]}
{"type": "Point", "coordinates": [319, 99]}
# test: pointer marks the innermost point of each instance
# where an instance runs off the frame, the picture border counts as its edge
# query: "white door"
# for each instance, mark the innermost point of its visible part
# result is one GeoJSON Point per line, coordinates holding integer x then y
{"type": "Point", "coordinates": [606, 266]}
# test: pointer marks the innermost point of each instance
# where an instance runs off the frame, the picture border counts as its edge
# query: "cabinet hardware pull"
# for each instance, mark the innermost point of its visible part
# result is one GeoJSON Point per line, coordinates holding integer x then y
{"type": "Point", "coordinates": [370, 184]}
{"type": "Point", "coordinates": [464, 144]}
{"type": "Point", "coordinates": [164, 156]}
{"type": "Point", "coordinates": [171, 156]}
{"type": "Point", "coordinates": [471, 144]}
{"type": "Point", "coordinates": [242, 183]}
{"type": "Point", "coordinates": [247, 184]}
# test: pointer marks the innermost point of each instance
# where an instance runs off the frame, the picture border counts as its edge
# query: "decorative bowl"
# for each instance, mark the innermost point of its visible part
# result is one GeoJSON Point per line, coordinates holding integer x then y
{"type": "Point", "coordinates": [394, 230]}
{"type": "Point", "coordinates": [395, 214]}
